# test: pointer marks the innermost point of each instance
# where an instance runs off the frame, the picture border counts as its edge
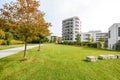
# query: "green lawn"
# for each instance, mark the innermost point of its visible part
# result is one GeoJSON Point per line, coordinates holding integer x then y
{"type": "Point", "coordinates": [59, 62]}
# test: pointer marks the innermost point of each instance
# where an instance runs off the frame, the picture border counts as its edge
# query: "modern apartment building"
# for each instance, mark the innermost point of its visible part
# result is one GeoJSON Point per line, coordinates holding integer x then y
{"type": "Point", "coordinates": [97, 35]}
{"type": "Point", "coordinates": [93, 36]}
{"type": "Point", "coordinates": [85, 37]}
{"type": "Point", "coordinates": [113, 35]}
{"type": "Point", "coordinates": [70, 28]}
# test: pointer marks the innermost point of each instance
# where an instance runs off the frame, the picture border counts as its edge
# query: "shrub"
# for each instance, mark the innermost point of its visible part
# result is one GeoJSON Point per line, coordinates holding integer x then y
{"type": "Point", "coordinates": [86, 44]}
{"type": "Point", "coordinates": [2, 34]}
{"type": "Point", "coordinates": [8, 37]}
{"type": "Point", "coordinates": [2, 42]}
{"type": "Point", "coordinates": [41, 40]}
{"type": "Point", "coordinates": [105, 44]}
{"type": "Point", "coordinates": [117, 46]}
{"type": "Point", "coordinates": [16, 42]}
{"type": "Point", "coordinates": [93, 45]}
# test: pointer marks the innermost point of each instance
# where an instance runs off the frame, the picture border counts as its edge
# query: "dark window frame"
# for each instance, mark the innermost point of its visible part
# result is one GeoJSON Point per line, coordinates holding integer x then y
{"type": "Point", "coordinates": [118, 31]}
{"type": "Point", "coordinates": [109, 34]}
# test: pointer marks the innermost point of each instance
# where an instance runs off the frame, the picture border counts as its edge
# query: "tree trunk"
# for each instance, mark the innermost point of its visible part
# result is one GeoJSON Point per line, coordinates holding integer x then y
{"type": "Point", "coordinates": [25, 48]}
{"type": "Point", "coordinates": [39, 46]}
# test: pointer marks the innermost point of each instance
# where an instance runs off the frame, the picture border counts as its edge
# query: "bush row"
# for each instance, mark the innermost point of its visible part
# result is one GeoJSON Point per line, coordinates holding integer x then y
{"type": "Point", "coordinates": [118, 46]}
{"type": "Point", "coordinates": [5, 42]}
{"type": "Point", "coordinates": [86, 44]}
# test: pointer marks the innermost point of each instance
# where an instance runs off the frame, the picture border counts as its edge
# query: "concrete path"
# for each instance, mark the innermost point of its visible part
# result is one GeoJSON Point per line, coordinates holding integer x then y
{"type": "Point", "coordinates": [8, 52]}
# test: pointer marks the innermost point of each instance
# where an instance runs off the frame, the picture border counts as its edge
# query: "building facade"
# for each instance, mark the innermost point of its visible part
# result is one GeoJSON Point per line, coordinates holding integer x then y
{"type": "Point", "coordinates": [85, 37]}
{"type": "Point", "coordinates": [70, 28]}
{"type": "Point", "coordinates": [113, 35]}
{"type": "Point", "coordinates": [93, 36]}
{"type": "Point", "coordinates": [97, 35]}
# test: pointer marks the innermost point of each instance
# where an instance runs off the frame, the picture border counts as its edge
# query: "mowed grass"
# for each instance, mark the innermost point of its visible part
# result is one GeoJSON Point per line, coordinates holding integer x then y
{"type": "Point", "coordinates": [60, 62]}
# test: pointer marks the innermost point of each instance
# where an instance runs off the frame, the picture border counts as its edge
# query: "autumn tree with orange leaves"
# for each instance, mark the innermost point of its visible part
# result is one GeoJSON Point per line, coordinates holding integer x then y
{"type": "Point", "coordinates": [42, 27]}
{"type": "Point", "coordinates": [25, 17]}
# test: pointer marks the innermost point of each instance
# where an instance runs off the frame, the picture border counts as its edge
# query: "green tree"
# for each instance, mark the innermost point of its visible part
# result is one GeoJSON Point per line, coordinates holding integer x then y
{"type": "Point", "coordinates": [89, 38]}
{"type": "Point", "coordinates": [2, 34]}
{"type": "Point", "coordinates": [117, 46]}
{"type": "Point", "coordinates": [102, 42]}
{"type": "Point", "coordinates": [78, 38]}
{"type": "Point", "coordinates": [41, 39]}
{"type": "Point", "coordinates": [42, 27]}
{"type": "Point", "coordinates": [55, 39]}
{"type": "Point", "coordinates": [8, 37]}
{"type": "Point", "coordinates": [92, 39]}
{"type": "Point", "coordinates": [105, 40]}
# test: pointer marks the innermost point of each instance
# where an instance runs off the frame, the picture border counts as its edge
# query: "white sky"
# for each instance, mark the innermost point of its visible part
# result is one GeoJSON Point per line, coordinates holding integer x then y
{"type": "Point", "coordinates": [94, 14]}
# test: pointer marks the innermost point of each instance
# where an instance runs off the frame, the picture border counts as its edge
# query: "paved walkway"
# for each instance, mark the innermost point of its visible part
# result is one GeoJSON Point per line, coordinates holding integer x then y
{"type": "Point", "coordinates": [8, 52]}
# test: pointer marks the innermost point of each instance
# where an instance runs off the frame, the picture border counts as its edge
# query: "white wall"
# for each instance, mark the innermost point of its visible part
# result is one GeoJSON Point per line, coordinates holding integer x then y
{"type": "Point", "coordinates": [84, 37]}
{"type": "Point", "coordinates": [96, 35]}
{"type": "Point", "coordinates": [113, 35]}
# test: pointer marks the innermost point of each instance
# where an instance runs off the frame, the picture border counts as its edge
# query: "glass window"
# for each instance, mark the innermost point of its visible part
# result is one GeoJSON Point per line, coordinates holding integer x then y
{"type": "Point", "coordinates": [76, 32]}
{"type": "Point", "coordinates": [119, 31]}
{"type": "Point", "coordinates": [109, 34]}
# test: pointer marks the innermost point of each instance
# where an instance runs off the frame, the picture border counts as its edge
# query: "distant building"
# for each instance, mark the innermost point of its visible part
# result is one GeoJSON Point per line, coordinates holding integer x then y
{"type": "Point", "coordinates": [97, 35]}
{"type": "Point", "coordinates": [93, 36]}
{"type": "Point", "coordinates": [84, 37]}
{"type": "Point", "coordinates": [52, 38]}
{"type": "Point", "coordinates": [55, 39]}
{"type": "Point", "coordinates": [70, 28]}
{"type": "Point", "coordinates": [59, 40]}
{"type": "Point", "coordinates": [49, 38]}
{"type": "Point", "coordinates": [113, 35]}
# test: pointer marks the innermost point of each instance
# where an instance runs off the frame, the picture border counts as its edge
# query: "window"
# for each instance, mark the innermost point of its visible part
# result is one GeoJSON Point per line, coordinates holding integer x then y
{"type": "Point", "coordinates": [76, 22]}
{"type": "Point", "coordinates": [86, 35]}
{"type": "Point", "coordinates": [76, 25]}
{"type": "Point", "coordinates": [119, 31]}
{"type": "Point", "coordinates": [85, 38]}
{"type": "Point", "coordinates": [77, 18]}
{"type": "Point", "coordinates": [76, 32]}
{"type": "Point", "coordinates": [71, 39]}
{"type": "Point", "coordinates": [76, 28]}
{"type": "Point", "coordinates": [71, 32]}
{"type": "Point", "coordinates": [109, 34]}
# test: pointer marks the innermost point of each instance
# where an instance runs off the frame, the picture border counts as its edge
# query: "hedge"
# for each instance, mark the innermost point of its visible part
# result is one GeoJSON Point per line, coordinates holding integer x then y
{"type": "Point", "coordinates": [4, 42]}
{"type": "Point", "coordinates": [86, 44]}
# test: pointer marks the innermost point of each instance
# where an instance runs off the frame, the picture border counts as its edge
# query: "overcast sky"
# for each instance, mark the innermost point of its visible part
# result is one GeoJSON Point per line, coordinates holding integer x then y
{"type": "Point", "coordinates": [94, 14]}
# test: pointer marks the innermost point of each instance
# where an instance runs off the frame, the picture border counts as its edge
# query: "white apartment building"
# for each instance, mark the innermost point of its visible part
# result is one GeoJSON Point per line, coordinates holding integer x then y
{"type": "Point", "coordinates": [95, 36]}
{"type": "Point", "coordinates": [70, 28]}
{"type": "Point", "coordinates": [113, 35]}
{"type": "Point", "coordinates": [85, 37]}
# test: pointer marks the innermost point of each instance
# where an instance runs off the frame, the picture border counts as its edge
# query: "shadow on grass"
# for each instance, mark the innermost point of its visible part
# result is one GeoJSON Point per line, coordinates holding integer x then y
{"type": "Point", "coordinates": [85, 60]}
{"type": "Point", "coordinates": [93, 61]}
